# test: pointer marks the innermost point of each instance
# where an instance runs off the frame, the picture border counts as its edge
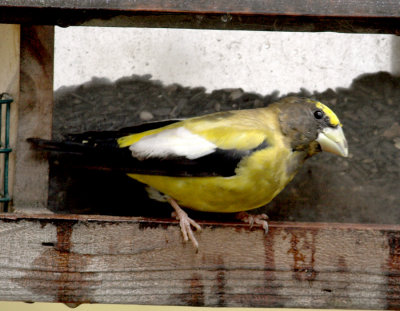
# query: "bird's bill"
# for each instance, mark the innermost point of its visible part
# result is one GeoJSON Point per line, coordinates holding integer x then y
{"type": "Point", "coordinates": [333, 140]}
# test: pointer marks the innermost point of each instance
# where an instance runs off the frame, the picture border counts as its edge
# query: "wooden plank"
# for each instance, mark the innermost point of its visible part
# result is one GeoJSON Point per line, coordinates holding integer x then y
{"type": "Point", "coordinates": [35, 115]}
{"type": "Point", "coordinates": [101, 259]}
{"type": "Point", "coordinates": [281, 15]}
{"type": "Point", "coordinates": [9, 83]}
{"type": "Point", "coordinates": [350, 8]}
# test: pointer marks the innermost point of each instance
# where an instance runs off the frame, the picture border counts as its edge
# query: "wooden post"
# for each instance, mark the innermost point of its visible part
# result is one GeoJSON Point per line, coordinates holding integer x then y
{"type": "Point", "coordinates": [9, 83]}
{"type": "Point", "coordinates": [35, 116]}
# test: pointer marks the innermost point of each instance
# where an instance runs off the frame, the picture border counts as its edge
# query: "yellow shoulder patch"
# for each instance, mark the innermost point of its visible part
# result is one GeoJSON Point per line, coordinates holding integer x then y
{"type": "Point", "coordinates": [331, 115]}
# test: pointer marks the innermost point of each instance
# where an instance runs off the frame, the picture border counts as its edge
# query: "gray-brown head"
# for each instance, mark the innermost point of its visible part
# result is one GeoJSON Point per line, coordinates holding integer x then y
{"type": "Point", "coordinates": [311, 126]}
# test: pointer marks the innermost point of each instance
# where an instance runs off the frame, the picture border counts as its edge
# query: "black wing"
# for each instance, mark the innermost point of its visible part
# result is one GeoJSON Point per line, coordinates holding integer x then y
{"type": "Point", "coordinates": [101, 137]}
{"type": "Point", "coordinates": [99, 150]}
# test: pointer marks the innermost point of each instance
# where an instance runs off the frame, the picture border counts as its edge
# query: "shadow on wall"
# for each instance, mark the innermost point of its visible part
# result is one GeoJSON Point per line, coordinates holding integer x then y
{"type": "Point", "coordinates": [327, 188]}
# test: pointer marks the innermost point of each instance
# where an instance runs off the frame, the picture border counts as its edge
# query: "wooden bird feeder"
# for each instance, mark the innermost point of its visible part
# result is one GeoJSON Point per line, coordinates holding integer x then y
{"type": "Point", "coordinates": [132, 260]}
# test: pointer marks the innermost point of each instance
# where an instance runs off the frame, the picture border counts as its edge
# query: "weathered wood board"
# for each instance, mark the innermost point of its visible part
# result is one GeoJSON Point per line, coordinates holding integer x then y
{"type": "Point", "coordinates": [100, 259]}
{"type": "Point", "coordinates": [301, 15]}
{"type": "Point", "coordinates": [35, 115]}
{"type": "Point", "coordinates": [353, 8]}
{"type": "Point", "coordinates": [9, 83]}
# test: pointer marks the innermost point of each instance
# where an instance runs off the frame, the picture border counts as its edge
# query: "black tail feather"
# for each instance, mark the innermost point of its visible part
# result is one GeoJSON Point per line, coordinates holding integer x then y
{"type": "Point", "coordinates": [106, 155]}
{"type": "Point", "coordinates": [59, 146]}
{"type": "Point", "coordinates": [103, 136]}
{"type": "Point", "coordinates": [100, 151]}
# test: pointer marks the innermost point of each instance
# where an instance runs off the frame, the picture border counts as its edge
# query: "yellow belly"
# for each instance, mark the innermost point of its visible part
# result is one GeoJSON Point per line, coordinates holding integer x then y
{"type": "Point", "coordinates": [257, 181]}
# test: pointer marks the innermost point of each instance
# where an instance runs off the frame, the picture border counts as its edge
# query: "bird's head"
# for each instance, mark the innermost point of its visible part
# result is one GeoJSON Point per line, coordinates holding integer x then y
{"type": "Point", "coordinates": [311, 126]}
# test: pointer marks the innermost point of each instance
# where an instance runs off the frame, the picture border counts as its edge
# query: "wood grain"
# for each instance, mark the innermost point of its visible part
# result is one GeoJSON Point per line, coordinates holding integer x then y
{"type": "Point", "coordinates": [34, 115]}
{"type": "Point", "coordinates": [353, 8]}
{"type": "Point", "coordinates": [368, 16]}
{"type": "Point", "coordinates": [101, 259]}
{"type": "Point", "coordinates": [9, 83]}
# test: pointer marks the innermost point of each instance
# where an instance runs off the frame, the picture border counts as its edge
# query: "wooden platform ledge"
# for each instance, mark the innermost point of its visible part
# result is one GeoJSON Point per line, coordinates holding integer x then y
{"type": "Point", "coordinates": [99, 259]}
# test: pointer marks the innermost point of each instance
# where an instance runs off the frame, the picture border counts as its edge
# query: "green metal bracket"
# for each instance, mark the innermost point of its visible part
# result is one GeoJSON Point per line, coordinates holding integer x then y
{"type": "Point", "coordinates": [5, 149]}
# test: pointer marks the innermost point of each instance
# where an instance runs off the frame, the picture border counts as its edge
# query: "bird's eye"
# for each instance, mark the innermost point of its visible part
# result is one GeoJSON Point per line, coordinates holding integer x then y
{"type": "Point", "coordinates": [318, 114]}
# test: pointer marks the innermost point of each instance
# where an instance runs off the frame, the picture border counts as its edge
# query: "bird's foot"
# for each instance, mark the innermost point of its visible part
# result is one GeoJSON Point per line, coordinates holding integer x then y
{"type": "Point", "coordinates": [185, 223]}
{"type": "Point", "coordinates": [250, 219]}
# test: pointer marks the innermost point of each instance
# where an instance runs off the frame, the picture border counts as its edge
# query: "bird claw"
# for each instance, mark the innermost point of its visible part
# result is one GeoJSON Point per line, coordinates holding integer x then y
{"type": "Point", "coordinates": [260, 219]}
{"type": "Point", "coordinates": [185, 223]}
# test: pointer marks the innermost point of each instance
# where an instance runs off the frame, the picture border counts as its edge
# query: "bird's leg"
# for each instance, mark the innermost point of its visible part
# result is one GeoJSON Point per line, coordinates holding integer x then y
{"type": "Point", "coordinates": [260, 219]}
{"type": "Point", "coordinates": [185, 223]}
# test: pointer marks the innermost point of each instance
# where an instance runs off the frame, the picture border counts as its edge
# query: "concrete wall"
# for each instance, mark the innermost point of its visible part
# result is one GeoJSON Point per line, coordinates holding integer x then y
{"type": "Point", "coordinates": [255, 61]}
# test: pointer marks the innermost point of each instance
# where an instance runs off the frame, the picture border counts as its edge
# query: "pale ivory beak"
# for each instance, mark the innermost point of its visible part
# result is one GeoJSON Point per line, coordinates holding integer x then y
{"type": "Point", "coordinates": [333, 140]}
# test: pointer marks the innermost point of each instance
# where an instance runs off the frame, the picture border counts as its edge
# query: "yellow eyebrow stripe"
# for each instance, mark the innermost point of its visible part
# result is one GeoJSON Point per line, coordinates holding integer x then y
{"type": "Point", "coordinates": [331, 115]}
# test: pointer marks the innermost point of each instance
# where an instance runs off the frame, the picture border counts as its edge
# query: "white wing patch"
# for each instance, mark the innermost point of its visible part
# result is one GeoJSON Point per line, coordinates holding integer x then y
{"type": "Point", "coordinates": [172, 142]}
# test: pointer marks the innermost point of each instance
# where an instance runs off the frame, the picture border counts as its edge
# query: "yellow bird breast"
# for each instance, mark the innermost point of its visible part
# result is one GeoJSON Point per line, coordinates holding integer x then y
{"type": "Point", "coordinates": [259, 178]}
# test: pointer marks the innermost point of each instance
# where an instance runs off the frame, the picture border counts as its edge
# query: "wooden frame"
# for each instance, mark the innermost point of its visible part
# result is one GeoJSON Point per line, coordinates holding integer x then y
{"type": "Point", "coordinates": [34, 116]}
{"type": "Point", "coordinates": [280, 15]}
{"type": "Point", "coordinates": [10, 82]}
{"type": "Point", "coordinates": [101, 259]}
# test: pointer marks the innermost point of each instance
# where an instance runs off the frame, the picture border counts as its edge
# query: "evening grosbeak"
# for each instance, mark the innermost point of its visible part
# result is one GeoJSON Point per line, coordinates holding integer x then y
{"type": "Point", "coordinates": [224, 162]}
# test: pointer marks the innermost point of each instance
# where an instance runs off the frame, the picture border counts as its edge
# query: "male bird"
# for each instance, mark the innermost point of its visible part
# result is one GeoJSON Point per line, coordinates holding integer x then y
{"type": "Point", "coordinates": [223, 162]}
